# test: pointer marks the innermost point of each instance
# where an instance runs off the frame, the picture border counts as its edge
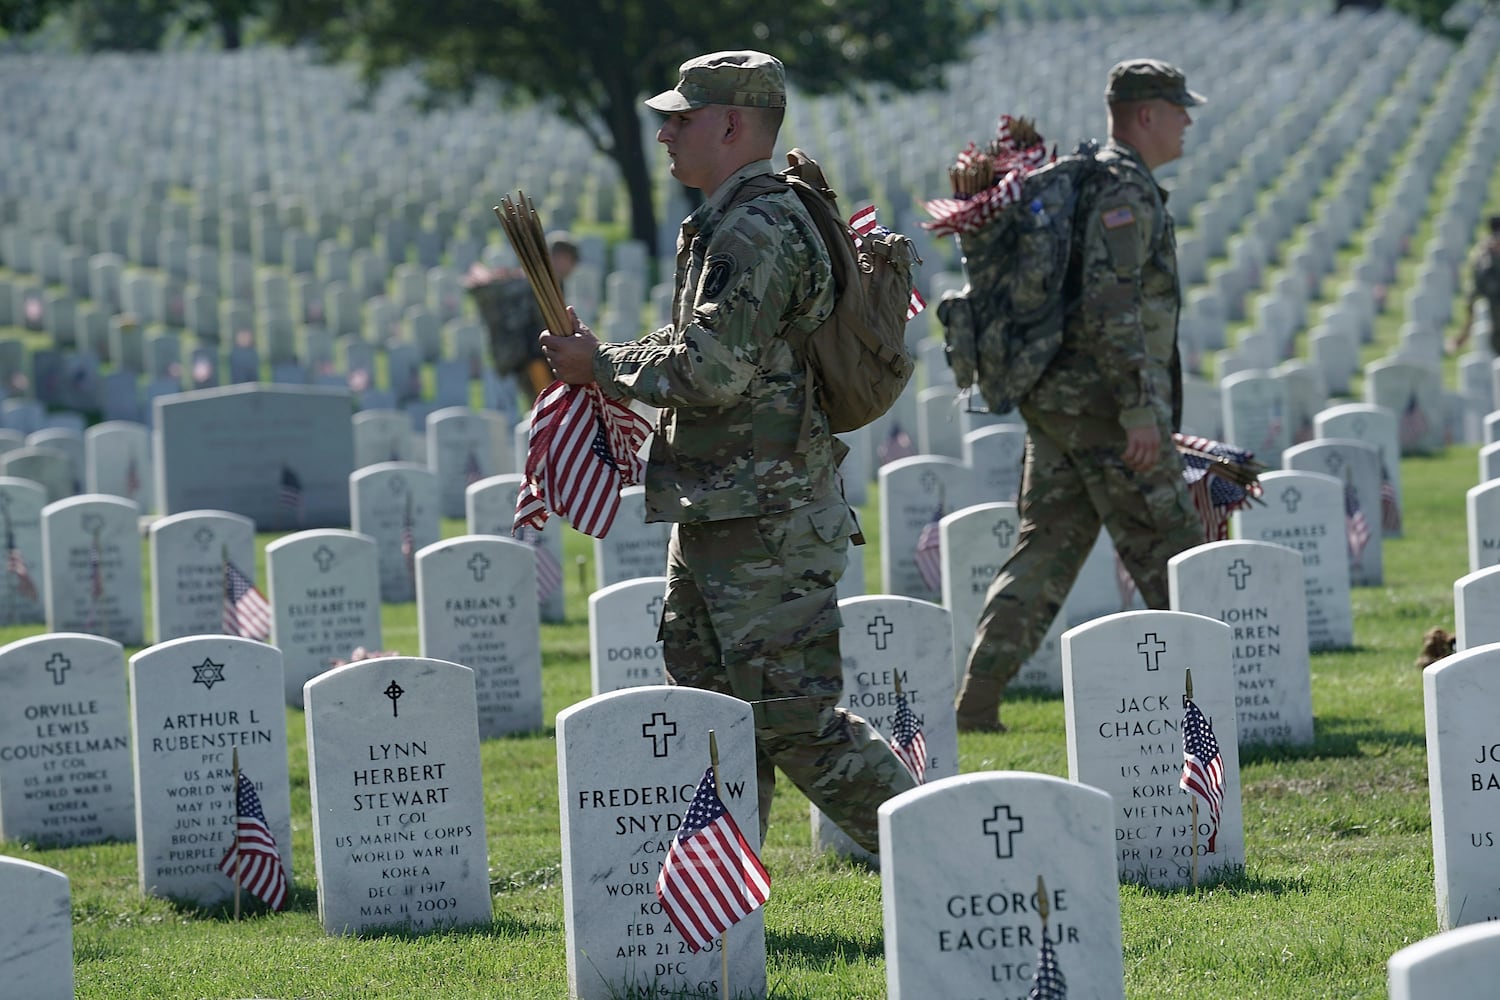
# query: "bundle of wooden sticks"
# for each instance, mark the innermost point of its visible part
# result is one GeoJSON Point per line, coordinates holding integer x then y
{"type": "Point", "coordinates": [523, 227]}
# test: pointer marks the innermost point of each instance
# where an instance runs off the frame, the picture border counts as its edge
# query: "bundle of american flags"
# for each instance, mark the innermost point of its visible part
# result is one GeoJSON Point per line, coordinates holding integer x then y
{"type": "Point", "coordinates": [1221, 479]}
{"type": "Point", "coordinates": [986, 181]}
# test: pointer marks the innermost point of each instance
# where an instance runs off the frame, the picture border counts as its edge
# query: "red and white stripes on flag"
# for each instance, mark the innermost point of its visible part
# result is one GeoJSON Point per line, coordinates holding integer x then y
{"type": "Point", "coordinates": [583, 451]}
{"type": "Point", "coordinates": [246, 611]}
{"type": "Point", "coordinates": [252, 859]}
{"type": "Point", "coordinates": [711, 878]}
{"type": "Point", "coordinates": [1202, 765]}
{"type": "Point", "coordinates": [907, 739]}
{"type": "Point", "coordinates": [863, 223]}
{"type": "Point", "coordinates": [929, 551]}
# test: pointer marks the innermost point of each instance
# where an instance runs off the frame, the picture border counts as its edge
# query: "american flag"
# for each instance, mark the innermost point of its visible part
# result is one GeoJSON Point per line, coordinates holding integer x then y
{"type": "Point", "coordinates": [583, 451]}
{"type": "Point", "coordinates": [96, 570]}
{"type": "Point", "coordinates": [132, 479]}
{"type": "Point", "coordinates": [711, 878]}
{"type": "Point", "coordinates": [246, 611]}
{"type": "Point", "coordinates": [907, 739]}
{"type": "Point", "coordinates": [252, 859]}
{"type": "Point", "coordinates": [897, 444]}
{"type": "Point", "coordinates": [472, 472]}
{"type": "Point", "coordinates": [929, 551]}
{"type": "Point", "coordinates": [1047, 982]}
{"type": "Point", "coordinates": [549, 572]}
{"type": "Point", "coordinates": [1202, 766]}
{"type": "Point", "coordinates": [1124, 583]}
{"type": "Point", "coordinates": [1214, 496]}
{"type": "Point", "coordinates": [1390, 506]}
{"type": "Point", "coordinates": [1273, 427]}
{"type": "Point", "coordinates": [409, 541]}
{"type": "Point", "coordinates": [1355, 526]}
{"type": "Point", "coordinates": [864, 224]}
{"type": "Point", "coordinates": [15, 565]}
{"type": "Point", "coordinates": [1413, 425]}
{"type": "Point", "coordinates": [291, 492]}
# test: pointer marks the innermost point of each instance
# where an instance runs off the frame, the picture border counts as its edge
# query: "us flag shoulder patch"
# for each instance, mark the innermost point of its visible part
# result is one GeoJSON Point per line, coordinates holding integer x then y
{"type": "Point", "coordinates": [1117, 217]}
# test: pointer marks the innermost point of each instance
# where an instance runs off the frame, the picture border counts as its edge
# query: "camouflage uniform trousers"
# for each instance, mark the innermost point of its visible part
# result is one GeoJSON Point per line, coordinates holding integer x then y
{"type": "Point", "coordinates": [1075, 479]}
{"type": "Point", "coordinates": [751, 612]}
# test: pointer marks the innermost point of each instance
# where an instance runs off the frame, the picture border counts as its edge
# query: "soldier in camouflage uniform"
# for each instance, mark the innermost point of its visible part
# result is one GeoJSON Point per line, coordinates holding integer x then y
{"type": "Point", "coordinates": [760, 528]}
{"type": "Point", "coordinates": [1484, 283]}
{"type": "Point", "coordinates": [1100, 420]}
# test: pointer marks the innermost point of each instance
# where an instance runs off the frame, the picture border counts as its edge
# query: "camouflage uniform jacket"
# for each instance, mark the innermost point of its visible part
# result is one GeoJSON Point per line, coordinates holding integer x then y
{"type": "Point", "coordinates": [730, 391]}
{"type": "Point", "coordinates": [1120, 334]}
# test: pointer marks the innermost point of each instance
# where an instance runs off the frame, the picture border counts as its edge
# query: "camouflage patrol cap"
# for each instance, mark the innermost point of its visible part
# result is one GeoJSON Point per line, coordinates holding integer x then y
{"type": "Point", "coordinates": [745, 78]}
{"type": "Point", "coordinates": [1150, 79]}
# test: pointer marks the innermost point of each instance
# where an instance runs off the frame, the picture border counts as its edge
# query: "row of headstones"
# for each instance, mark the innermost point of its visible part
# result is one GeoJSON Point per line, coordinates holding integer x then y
{"type": "Point", "coordinates": [399, 828]}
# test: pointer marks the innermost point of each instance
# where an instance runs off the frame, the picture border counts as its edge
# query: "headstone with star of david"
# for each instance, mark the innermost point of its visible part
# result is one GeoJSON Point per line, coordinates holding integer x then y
{"type": "Point", "coordinates": [1305, 511]}
{"type": "Point", "coordinates": [23, 584]}
{"type": "Point", "coordinates": [188, 552]}
{"type": "Point", "coordinates": [91, 561]}
{"type": "Point", "coordinates": [976, 542]}
{"type": "Point", "coordinates": [117, 461]}
{"type": "Point", "coordinates": [633, 548]}
{"type": "Point", "coordinates": [628, 764]}
{"type": "Point", "coordinates": [382, 436]}
{"type": "Point", "coordinates": [36, 926]}
{"type": "Point", "coordinates": [1124, 677]}
{"type": "Point", "coordinates": [915, 492]}
{"type": "Point", "coordinates": [960, 859]}
{"type": "Point", "coordinates": [490, 509]}
{"type": "Point", "coordinates": [460, 452]}
{"type": "Point", "coordinates": [65, 765]}
{"type": "Point", "coordinates": [476, 605]}
{"type": "Point", "coordinates": [1357, 465]}
{"type": "Point", "coordinates": [624, 650]}
{"type": "Point", "coordinates": [1463, 962]}
{"type": "Point", "coordinates": [996, 454]}
{"type": "Point", "coordinates": [247, 449]}
{"type": "Point", "coordinates": [1463, 776]}
{"type": "Point", "coordinates": [397, 796]}
{"type": "Point", "coordinates": [1256, 589]}
{"type": "Point", "coordinates": [324, 591]}
{"type": "Point", "coordinates": [885, 639]}
{"type": "Point", "coordinates": [193, 701]}
{"type": "Point", "coordinates": [1374, 425]}
{"type": "Point", "coordinates": [388, 501]}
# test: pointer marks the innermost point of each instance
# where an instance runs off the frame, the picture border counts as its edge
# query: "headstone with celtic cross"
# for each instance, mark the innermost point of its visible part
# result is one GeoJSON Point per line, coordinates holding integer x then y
{"type": "Point", "coordinates": [193, 702]}
{"type": "Point", "coordinates": [1124, 679]}
{"type": "Point", "coordinates": [1305, 511]}
{"type": "Point", "coordinates": [628, 765]}
{"type": "Point", "coordinates": [1019, 852]}
{"type": "Point", "coordinates": [324, 592]}
{"type": "Point", "coordinates": [476, 605]}
{"type": "Point", "coordinates": [397, 796]}
{"type": "Point", "coordinates": [624, 650]}
{"type": "Point", "coordinates": [65, 756]}
{"type": "Point", "coordinates": [1256, 589]}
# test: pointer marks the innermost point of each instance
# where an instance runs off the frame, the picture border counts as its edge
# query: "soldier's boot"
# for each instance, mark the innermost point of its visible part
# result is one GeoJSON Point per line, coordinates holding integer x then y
{"type": "Point", "coordinates": [978, 705]}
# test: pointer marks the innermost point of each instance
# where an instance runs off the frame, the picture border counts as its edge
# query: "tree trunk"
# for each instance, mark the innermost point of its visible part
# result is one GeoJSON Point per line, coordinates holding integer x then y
{"type": "Point", "coordinates": [229, 31]}
{"type": "Point", "coordinates": [630, 155]}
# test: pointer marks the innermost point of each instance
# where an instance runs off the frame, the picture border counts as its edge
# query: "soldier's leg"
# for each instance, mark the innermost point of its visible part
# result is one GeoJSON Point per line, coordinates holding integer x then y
{"type": "Point", "coordinates": [1058, 528]}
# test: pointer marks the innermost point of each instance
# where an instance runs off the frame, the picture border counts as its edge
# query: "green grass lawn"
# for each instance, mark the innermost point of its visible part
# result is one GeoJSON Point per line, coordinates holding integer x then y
{"type": "Point", "coordinates": [1338, 844]}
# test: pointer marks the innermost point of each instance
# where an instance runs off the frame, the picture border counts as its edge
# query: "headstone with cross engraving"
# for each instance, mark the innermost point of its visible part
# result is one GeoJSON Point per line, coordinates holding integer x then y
{"type": "Point", "coordinates": [1463, 962]}
{"type": "Point", "coordinates": [1463, 776]}
{"type": "Point", "coordinates": [1305, 511]}
{"type": "Point", "coordinates": [65, 756]}
{"type": "Point", "coordinates": [1356, 465]}
{"type": "Point", "coordinates": [963, 919]}
{"type": "Point", "coordinates": [91, 561]}
{"type": "Point", "coordinates": [490, 509]}
{"type": "Point", "coordinates": [460, 452]}
{"type": "Point", "coordinates": [624, 650]}
{"type": "Point", "coordinates": [916, 493]}
{"type": "Point", "coordinates": [628, 765]}
{"type": "Point", "coordinates": [247, 449]}
{"type": "Point", "coordinates": [324, 592]}
{"type": "Point", "coordinates": [1256, 589]}
{"type": "Point", "coordinates": [21, 590]}
{"type": "Point", "coordinates": [36, 925]}
{"type": "Point", "coordinates": [397, 796]}
{"type": "Point", "coordinates": [476, 605]}
{"type": "Point", "coordinates": [193, 702]}
{"type": "Point", "coordinates": [190, 556]}
{"type": "Point", "coordinates": [396, 504]}
{"type": "Point", "coordinates": [117, 460]}
{"type": "Point", "coordinates": [1128, 732]}
{"type": "Point", "coordinates": [1482, 507]}
{"type": "Point", "coordinates": [886, 641]}
{"type": "Point", "coordinates": [1374, 425]}
{"type": "Point", "coordinates": [633, 548]}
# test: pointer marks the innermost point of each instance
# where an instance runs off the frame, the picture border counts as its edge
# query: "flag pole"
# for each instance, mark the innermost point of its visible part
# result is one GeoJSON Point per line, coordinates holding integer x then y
{"type": "Point", "coordinates": [236, 794]}
{"type": "Point", "coordinates": [1188, 697]}
{"type": "Point", "coordinates": [1041, 903]}
{"type": "Point", "coordinates": [713, 760]}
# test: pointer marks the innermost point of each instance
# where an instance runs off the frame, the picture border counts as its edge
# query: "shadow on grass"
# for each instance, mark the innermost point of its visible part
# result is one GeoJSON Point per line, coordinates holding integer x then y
{"type": "Point", "coordinates": [1336, 736]}
{"type": "Point", "coordinates": [821, 951]}
{"type": "Point", "coordinates": [1241, 883]}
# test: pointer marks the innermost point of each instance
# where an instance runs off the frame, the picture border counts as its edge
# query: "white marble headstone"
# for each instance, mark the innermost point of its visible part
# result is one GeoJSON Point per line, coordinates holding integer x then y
{"type": "Point", "coordinates": [382, 436]}
{"type": "Point", "coordinates": [490, 509]}
{"type": "Point", "coordinates": [1255, 414]}
{"type": "Point", "coordinates": [916, 492]}
{"type": "Point", "coordinates": [460, 452]}
{"type": "Point", "coordinates": [117, 460]}
{"type": "Point", "coordinates": [996, 453]}
{"type": "Point", "coordinates": [36, 931]}
{"type": "Point", "coordinates": [633, 548]}
{"type": "Point", "coordinates": [1475, 598]}
{"type": "Point", "coordinates": [397, 796]}
{"type": "Point", "coordinates": [1124, 678]}
{"type": "Point", "coordinates": [1357, 465]}
{"type": "Point", "coordinates": [91, 559]}
{"type": "Point", "coordinates": [1463, 962]}
{"type": "Point", "coordinates": [65, 773]}
{"type": "Point", "coordinates": [1374, 425]}
{"type": "Point", "coordinates": [23, 584]}
{"type": "Point", "coordinates": [1413, 391]}
{"type": "Point", "coordinates": [1482, 506]}
{"type": "Point", "coordinates": [960, 860]}
{"type": "Point", "coordinates": [624, 650]}
{"type": "Point", "coordinates": [396, 504]}
{"type": "Point", "coordinates": [188, 552]}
